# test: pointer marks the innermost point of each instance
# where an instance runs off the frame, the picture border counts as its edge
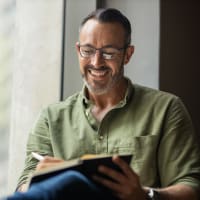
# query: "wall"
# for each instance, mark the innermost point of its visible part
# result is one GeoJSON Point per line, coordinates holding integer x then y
{"type": "Point", "coordinates": [75, 11]}
{"type": "Point", "coordinates": [144, 17]}
{"type": "Point", "coordinates": [7, 18]}
{"type": "Point", "coordinates": [36, 72]}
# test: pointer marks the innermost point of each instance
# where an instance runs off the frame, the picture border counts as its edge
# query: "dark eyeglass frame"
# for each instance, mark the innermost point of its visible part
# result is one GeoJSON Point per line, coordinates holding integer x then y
{"type": "Point", "coordinates": [106, 55]}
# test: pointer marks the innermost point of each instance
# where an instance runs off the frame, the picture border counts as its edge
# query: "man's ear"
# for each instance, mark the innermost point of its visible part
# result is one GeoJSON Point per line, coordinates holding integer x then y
{"type": "Point", "coordinates": [128, 55]}
{"type": "Point", "coordinates": [77, 47]}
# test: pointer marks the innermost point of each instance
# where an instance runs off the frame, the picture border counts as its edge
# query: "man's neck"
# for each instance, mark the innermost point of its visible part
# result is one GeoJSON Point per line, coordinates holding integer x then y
{"type": "Point", "coordinates": [105, 102]}
{"type": "Point", "coordinates": [112, 97]}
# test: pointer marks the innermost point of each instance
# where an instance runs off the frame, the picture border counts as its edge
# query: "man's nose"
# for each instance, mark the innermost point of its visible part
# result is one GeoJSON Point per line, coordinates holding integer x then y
{"type": "Point", "coordinates": [97, 59]}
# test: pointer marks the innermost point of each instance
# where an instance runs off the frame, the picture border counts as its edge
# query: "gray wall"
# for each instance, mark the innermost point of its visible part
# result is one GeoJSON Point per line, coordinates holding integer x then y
{"type": "Point", "coordinates": [7, 34]}
{"type": "Point", "coordinates": [144, 17]}
{"type": "Point", "coordinates": [36, 72]}
{"type": "Point", "coordinates": [75, 11]}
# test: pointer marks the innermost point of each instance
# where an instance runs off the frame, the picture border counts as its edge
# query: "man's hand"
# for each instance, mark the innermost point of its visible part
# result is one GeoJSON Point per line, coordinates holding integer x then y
{"type": "Point", "coordinates": [126, 185]}
{"type": "Point", "coordinates": [48, 162]}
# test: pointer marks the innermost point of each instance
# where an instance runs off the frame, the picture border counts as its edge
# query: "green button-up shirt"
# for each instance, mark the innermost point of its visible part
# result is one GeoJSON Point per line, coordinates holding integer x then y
{"type": "Point", "coordinates": [152, 125]}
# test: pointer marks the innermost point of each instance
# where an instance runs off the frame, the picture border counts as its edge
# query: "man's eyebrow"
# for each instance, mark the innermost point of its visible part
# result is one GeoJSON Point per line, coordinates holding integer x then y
{"type": "Point", "coordinates": [110, 46]}
{"type": "Point", "coordinates": [106, 46]}
{"type": "Point", "coordinates": [85, 45]}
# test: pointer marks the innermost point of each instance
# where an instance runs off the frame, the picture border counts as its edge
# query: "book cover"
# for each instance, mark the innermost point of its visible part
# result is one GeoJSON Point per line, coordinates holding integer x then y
{"type": "Point", "coordinates": [87, 165]}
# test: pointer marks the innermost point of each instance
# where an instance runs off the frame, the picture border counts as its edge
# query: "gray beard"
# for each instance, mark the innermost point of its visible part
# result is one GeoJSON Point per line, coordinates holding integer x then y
{"type": "Point", "coordinates": [103, 90]}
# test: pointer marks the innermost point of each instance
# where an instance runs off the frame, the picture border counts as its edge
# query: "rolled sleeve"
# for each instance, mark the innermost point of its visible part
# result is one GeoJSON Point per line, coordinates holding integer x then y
{"type": "Point", "coordinates": [179, 160]}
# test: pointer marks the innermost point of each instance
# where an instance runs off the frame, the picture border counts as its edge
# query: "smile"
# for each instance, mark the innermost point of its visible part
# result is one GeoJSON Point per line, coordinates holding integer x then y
{"type": "Point", "coordinates": [98, 73]}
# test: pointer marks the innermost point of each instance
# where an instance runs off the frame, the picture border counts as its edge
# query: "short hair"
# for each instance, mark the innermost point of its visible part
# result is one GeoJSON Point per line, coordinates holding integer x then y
{"type": "Point", "coordinates": [111, 15]}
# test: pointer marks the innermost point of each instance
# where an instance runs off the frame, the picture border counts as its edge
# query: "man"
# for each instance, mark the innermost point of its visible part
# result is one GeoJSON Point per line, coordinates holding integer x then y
{"type": "Point", "coordinates": [114, 116]}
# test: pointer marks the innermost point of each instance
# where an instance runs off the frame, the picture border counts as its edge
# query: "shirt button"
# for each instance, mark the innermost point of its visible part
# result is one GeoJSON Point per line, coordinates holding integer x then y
{"type": "Point", "coordinates": [87, 114]}
{"type": "Point", "coordinates": [101, 137]}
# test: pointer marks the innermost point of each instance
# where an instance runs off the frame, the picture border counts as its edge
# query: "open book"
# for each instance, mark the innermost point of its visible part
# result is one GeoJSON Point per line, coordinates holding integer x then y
{"type": "Point", "coordinates": [86, 164]}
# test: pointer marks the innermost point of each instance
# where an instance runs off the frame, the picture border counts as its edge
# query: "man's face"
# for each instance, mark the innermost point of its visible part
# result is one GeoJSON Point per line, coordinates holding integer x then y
{"type": "Point", "coordinates": [100, 74]}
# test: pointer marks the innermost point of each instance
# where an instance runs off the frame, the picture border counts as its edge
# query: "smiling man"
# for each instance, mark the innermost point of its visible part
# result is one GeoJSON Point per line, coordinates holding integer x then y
{"type": "Point", "coordinates": [102, 61]}
{"type": "Point", "coordinates": [112, 115]}
{"type": "Point", "coordinates": [103, 50]}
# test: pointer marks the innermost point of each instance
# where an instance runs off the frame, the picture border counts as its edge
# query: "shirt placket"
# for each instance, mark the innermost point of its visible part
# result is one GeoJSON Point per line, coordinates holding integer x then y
{"type": "Point", "coordinates": [102, 139]}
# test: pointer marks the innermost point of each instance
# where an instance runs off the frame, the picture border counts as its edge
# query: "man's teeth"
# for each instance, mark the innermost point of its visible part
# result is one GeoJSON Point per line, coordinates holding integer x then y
{"type": "Point", "coordinates": [97, 73]}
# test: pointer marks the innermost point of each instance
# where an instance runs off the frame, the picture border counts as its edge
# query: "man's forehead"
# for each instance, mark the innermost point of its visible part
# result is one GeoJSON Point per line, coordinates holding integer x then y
{"type": "Point", "coordinates": [94, 23]}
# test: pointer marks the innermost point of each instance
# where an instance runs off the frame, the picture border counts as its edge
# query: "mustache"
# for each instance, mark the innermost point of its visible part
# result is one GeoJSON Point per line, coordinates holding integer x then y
{"type": "Point", "coordinates": [100, 68]}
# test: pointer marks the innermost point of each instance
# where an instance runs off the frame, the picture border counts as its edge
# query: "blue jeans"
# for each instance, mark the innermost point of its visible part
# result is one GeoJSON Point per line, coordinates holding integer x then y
{"type": "Point", "coordinates": [65, 186]}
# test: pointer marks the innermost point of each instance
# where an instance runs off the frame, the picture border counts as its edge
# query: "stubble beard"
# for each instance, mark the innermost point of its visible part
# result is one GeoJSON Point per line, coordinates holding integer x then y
{"type": "Point", "coordinates": [98, 88]}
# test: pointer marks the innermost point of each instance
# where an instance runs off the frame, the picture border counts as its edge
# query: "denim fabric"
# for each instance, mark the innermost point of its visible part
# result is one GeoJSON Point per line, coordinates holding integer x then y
{"type": "Point", "coordinates": [65, 186]}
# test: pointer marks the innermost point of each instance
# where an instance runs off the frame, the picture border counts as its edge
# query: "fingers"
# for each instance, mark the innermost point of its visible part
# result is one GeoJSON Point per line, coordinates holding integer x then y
{"type": "Point", "coordinates": [48, 162]}
{"type": "Point", "coordinates": [113, 174]}
{"type": "Point", "coordinates": [122, 186]}
{"type": "Point", "coordinates": [127, 172]}
{"type": "Point", "coordinates": [113, 186]}
{"type": "Point", "coordinates": [126, 169]}
{"type": "Point", "coordinates": [125, 184]}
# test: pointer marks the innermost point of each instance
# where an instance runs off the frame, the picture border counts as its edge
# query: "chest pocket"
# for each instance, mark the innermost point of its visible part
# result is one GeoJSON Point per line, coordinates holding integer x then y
{"type": "Point", "coordinates": [144, 162]}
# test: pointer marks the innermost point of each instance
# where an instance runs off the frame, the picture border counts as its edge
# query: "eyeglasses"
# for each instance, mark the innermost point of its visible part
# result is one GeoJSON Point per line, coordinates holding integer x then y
{"type": "Point", "coordinates": [108, 53]}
